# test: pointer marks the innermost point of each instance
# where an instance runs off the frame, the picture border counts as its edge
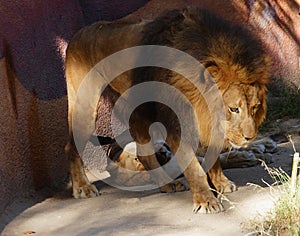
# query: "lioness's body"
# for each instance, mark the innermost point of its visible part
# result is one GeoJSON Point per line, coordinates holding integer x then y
{"type": "Point", "coordinates": [232, 57]}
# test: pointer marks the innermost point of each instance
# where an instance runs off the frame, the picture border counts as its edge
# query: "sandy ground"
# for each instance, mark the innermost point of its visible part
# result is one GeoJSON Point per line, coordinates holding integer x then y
{"type": "Point", "coordinates": [119, 212]}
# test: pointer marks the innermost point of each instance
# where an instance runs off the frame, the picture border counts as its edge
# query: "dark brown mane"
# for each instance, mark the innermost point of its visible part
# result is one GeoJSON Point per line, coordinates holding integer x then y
{"type": "Point", "coordinates": [212, 41]}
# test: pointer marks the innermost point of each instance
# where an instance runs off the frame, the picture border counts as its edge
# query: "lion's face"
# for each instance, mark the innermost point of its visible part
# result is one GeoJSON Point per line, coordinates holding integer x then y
{"type": "Point", "coordinates": [245, 109]}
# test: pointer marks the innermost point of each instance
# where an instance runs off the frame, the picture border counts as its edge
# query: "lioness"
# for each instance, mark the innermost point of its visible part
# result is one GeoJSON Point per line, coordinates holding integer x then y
{"type": "Point", "coordinates": [230, 56]}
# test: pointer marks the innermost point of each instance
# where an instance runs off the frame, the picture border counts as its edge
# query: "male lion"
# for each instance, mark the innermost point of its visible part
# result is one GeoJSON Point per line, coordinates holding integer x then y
{"type": "Point", "coordinates": [229, 54]}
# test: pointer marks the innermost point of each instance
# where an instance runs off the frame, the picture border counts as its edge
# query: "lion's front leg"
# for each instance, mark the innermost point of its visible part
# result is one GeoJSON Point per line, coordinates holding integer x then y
{"type": "Point", "coordinates": [219, 180]}
{"type": "Point", "coordinates": [203, 197]}
{"type": "Point", "coordinates": [82, 188]}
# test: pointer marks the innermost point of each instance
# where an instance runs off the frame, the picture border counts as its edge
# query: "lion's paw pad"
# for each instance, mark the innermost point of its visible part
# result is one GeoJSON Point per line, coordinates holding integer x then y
{"type": "Point", "coordinates": [86, 191]}
{"type": "Point", "coordinates": [175, 186]}
{"type": "Point", "coordinates": [229, 188]}
{"type": "Point", "coordinates": [225, 187]}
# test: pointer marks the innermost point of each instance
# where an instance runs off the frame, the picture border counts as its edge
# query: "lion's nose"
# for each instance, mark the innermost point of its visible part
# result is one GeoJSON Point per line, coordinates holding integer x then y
{"type": "Point", "coordinates": [249, 133]}
{"type": "Point", "coordinates": [248, 138]}
{"type": "Point", "coordinates": [248, 129]}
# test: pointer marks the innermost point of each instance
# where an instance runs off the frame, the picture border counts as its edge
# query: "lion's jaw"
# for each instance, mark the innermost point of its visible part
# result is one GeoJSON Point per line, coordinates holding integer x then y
{"type": "Point", "coordinates": [241, 105]}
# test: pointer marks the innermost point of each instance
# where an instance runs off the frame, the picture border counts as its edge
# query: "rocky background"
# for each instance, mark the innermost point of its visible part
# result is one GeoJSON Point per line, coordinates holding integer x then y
{"type": "Point", "coordinates": [33, 102]}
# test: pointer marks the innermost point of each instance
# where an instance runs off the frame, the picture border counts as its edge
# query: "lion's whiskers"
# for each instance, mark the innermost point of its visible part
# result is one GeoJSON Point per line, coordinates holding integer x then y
{"type": "Point", "coordinates": [229, 151]}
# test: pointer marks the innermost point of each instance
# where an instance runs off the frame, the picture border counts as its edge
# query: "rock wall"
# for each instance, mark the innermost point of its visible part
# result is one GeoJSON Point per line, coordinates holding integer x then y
{"type": "Point", "coordinates": [33, 103]}
{"type": "Point", "coordinates": [276, 23]}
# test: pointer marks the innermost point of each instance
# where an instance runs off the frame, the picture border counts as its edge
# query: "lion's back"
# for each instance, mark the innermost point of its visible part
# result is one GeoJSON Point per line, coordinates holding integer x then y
{"type": "Point", "coordinates": [92, 43]}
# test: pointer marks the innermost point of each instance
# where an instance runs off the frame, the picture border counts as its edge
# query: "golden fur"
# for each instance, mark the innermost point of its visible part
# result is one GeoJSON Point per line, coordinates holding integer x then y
{"type": "Point", "coordinates": [229, 53]}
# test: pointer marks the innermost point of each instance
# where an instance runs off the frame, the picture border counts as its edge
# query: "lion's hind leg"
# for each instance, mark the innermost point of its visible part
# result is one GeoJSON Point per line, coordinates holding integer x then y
{"type": "Point", "coordinates": [82, 188]}
{"type": "Point", "coordinates": [148, 155]}
{"type": "Point", "coordinates": [164, 156]}
{"type": "Point", "coordinates": [82, 119]}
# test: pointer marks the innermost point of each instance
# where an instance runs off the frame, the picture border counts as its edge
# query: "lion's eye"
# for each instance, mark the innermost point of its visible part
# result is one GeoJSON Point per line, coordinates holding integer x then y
{"type": "Point", "coordinates": [234, 109]}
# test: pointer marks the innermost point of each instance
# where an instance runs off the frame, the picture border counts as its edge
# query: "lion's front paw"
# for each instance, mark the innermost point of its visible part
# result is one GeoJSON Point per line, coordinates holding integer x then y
{"type": "Point", "coordinates": [207, 203]}
{"type": "Point", "coordinates": [225, 186]}
{"type": "Point", "coordinates": [85, 191]}
{"type": "Point", "coordinates": [175, 186]}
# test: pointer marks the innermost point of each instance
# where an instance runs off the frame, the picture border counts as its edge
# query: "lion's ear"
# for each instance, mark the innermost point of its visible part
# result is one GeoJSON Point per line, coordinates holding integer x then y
{"type": "Point", "coordinates": [261, 113]}
{"type": "Point", "coordinates": [214, 72]}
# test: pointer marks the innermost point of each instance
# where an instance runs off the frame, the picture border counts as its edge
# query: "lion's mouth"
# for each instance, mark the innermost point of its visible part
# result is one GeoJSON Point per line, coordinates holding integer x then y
{"type": "Point", "coordinates": [238, 146]}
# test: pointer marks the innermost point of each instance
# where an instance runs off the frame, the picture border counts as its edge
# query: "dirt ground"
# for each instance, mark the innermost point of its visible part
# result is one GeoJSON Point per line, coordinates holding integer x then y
{"type": "Point", "coordinates": [119, 212]}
